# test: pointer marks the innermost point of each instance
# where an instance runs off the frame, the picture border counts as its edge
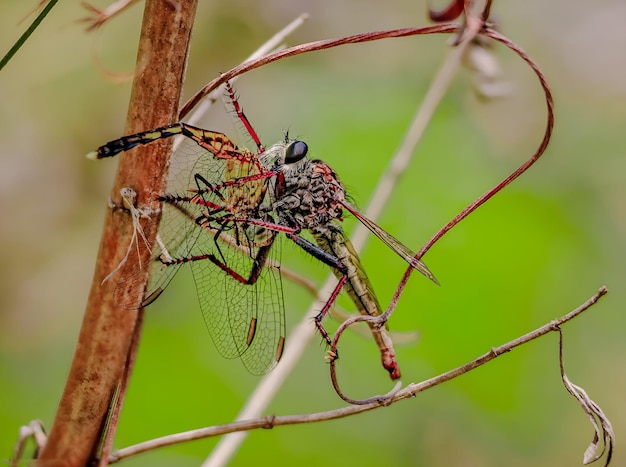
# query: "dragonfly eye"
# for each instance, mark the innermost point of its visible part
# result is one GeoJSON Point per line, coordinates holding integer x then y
{"type": "Point", "coordinates": [295, 152]}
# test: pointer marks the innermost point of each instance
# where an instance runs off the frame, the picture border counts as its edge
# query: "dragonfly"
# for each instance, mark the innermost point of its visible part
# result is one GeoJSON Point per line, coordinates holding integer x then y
{"type": "Point", "coordinates": [223, 210]}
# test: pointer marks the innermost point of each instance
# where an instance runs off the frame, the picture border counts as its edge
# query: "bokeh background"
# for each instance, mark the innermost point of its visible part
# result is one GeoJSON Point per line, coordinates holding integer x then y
{"type": "Point", "coordinates": [533, 253]}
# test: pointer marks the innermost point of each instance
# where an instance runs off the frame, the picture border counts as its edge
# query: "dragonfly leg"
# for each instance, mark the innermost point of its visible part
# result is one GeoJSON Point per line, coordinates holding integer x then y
{"type": "Point", "coordinates": [176, 200]}
{"type": "Point", "coordinates": [317, 252]}
{"type": "Point", "coordinates": [218, 232]}
{"type": "Point", "coordinates": [205, 187]}
{"type": "Point", "coordinates": [208, 221]}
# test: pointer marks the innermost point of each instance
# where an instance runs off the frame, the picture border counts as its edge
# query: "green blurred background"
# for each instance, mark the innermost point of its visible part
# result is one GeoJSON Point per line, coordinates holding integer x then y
{"type": "Point", "coordinates": [533, 253]}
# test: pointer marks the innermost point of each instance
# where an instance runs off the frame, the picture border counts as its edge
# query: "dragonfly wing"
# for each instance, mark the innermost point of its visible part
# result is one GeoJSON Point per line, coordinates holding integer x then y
{"type": "Point", "coordinates": [177, 230]}
{"type": "Point", "coordinates": [244, 320]}
{"type": "Point", "coordinates": [205, 192]}
{"type": "Point", "coordinates": [240, 295]}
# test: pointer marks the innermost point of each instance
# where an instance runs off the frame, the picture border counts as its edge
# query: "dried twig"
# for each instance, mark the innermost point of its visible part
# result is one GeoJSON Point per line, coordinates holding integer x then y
{"type": "Point", "coordinates": [383, 318]}
{"type": "Point", "coordinates": [272, 44]}
{"type": "Point", "coordinates": [35, 431]}
{"type": "Point", "coordinates": [410, 391]}
{"type": "Point", "coordinates": [310, 47]}
{"type": "Point", "coordinates": [99, 16]}
{"type": "Point", "coordinates": [303, 332]}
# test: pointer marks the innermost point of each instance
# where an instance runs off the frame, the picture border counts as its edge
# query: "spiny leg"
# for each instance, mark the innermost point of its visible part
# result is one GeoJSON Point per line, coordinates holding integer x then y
{"type": "Point", "coordinates": [333, 262]}
{"type": "Point", "coordinates": [243, 118]}
{"type": "Point", "coordinates": [209, 188]}
{"type": "Point", "coordinates": [226, 222]}
{"type": "Point", "coordinates": [204, 187]}
{"type": "Point", "coordinates": [258, 264]}
{"type": "Point", "coordinates": [233, 183]}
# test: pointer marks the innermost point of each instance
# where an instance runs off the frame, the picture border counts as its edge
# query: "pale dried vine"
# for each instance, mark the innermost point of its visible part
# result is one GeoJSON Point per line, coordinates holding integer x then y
{"type": "Point", "coordinates": [408, 392]}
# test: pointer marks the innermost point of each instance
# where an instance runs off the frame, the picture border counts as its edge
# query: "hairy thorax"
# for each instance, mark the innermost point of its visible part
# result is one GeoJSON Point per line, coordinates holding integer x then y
{"type": "Point", "coordinates": [312, 195]}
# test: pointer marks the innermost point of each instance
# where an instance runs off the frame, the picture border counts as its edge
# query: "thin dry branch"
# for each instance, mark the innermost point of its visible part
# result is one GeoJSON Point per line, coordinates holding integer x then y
{"type": "Point", "coordinates": [410, 391]}
{"type": "Point", "coordinates": [470, 31]}
{"type": "Point", "coordinates": [527, 164]}
{"type": "Point", "coordinates": [303, 332]}
{"type": "Point", "coordinates": [274, 43]}
{"type": "Point", "coordinates": [310, 47]}
{"type": "Point", "coordinates": [98, 16]}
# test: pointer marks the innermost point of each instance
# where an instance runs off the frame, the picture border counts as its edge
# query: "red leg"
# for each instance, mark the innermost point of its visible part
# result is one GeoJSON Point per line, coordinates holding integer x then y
{"type": "Point", "coordinates": [243, 118]}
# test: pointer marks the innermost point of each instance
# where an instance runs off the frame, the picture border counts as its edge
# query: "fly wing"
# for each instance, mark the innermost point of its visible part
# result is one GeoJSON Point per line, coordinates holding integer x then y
{"type": "Point", "coordinates": [128, 292]}
{"type": "Point", "coordinates": [399, 248]}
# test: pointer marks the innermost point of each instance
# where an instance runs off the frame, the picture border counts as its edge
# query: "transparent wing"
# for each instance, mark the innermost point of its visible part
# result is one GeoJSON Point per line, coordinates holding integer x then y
{"type": "Point", "coordinates": [177, 231]}
{"type": "Point", "coordinates": [398, 247]}
{"type": "Point", "coordinates": [245, 320]}
{"type": "Point", "coordinates": [241, 300]}
{"type": "Point", "coordinates": [239, 285]}
{"type": "Point", "coordinates": [193, 168]}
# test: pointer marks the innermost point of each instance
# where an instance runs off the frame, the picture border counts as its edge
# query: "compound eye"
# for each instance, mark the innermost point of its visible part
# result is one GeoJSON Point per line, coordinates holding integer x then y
{"type": "Point", "coordinates": [295, 151]}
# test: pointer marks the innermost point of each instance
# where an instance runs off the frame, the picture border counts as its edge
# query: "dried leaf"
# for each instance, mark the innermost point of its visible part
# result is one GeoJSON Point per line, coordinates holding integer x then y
{"type": "Point", "coordinates": [97, 17]}
{"type": "Point", "coordinates": [600, 422]}
{"type": "Point", "coordinates": [449, 13]}
{"type": "Point", "coordinates": [129, 197]}
{"type": "Point", "coordinates": [487, 81]}
{"type": "Point", "coordinates": [35, 431]}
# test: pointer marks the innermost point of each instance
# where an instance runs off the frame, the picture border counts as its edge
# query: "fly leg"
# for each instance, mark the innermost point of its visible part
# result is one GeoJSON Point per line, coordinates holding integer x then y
{"type": "Point", "coordinates": [243, 118]}
{"type": "Point", "coordinates": [251, 279]}
{"type": "Point", "coordinates": [210, 188]}
{"type": "Point", "coordinates": [333, 262]}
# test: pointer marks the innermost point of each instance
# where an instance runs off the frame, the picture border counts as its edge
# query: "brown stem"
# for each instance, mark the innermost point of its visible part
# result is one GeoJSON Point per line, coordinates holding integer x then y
{"type": "Point", "coordinates": [117, 402]}
{"type": "Point", "coordinates": [107, 331]}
